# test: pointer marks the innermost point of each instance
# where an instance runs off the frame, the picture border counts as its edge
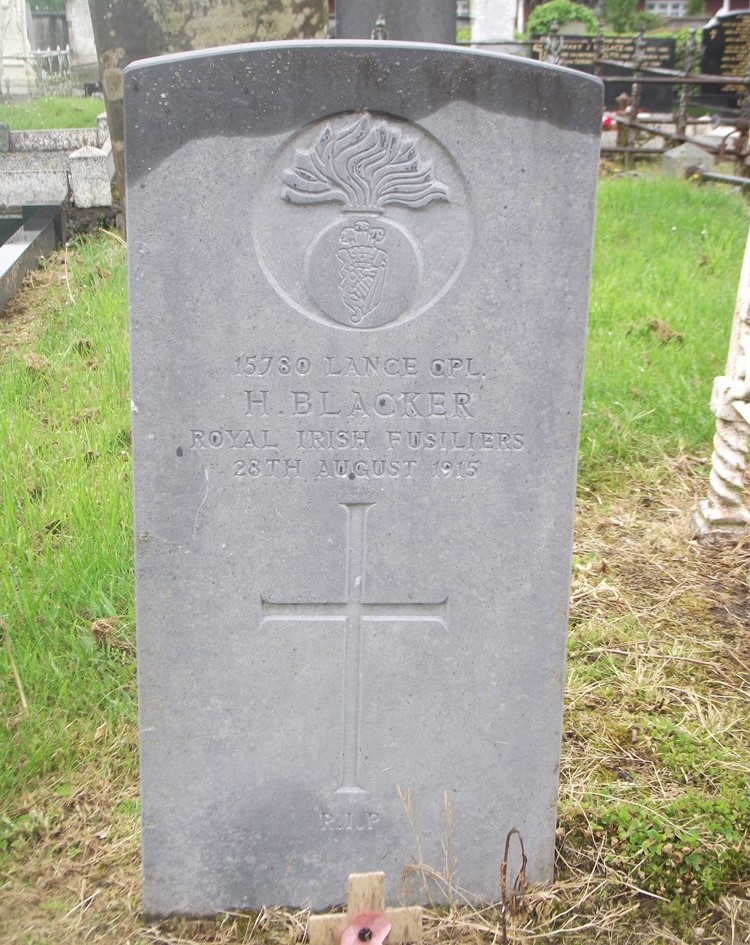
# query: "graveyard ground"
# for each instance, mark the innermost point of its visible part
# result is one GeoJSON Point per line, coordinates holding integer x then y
{"type": "Point", "coordinates": [654, 827]}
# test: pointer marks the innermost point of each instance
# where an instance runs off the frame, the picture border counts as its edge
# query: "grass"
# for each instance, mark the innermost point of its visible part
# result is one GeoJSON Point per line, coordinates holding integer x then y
{"type": "Point", "coordinates": [654, 814]}
{"type": "Point", "coordinates": [665, 274]}
{"type": "Point", "coordinates": [52, 112]}
{"type": "Point", "coordinates": [65, 512]}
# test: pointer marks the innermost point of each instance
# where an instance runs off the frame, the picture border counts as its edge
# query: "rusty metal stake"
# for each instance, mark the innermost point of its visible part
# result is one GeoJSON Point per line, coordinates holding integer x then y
{"type": "Point", "coordinates": [682, 114]}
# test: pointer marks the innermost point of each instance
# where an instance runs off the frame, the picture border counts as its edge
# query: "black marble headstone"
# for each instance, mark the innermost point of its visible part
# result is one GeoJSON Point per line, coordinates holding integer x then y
{"type": "Point", "coordinates": [726, 49]}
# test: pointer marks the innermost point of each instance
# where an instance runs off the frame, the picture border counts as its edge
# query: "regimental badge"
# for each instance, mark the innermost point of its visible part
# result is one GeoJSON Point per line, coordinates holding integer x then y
{"type": "Point", "coordinates": [371, 262]}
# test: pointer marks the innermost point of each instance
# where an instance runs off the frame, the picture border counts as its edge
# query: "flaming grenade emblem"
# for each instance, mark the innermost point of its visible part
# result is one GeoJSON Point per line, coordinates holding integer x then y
{"type": "Point", "coordinates": [362, 272]}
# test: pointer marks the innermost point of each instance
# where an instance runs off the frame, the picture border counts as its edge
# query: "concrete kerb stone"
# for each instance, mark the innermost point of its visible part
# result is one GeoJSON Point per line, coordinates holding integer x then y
{"type": "Point", "coordinates": [54, 166]}
{"type": "Point", "coordinates": [22, 252]}
{"type": "Point", "coordinates": [53, 139]}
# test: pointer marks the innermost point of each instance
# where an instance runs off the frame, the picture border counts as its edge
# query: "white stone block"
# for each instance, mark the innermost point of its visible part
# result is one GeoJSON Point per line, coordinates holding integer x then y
{"type": "Point", "coordinates": [90, 177]}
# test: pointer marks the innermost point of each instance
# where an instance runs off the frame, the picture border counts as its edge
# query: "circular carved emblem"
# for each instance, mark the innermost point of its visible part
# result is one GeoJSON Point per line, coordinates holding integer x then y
{"type": "Point", "coordinates": [362, 222]}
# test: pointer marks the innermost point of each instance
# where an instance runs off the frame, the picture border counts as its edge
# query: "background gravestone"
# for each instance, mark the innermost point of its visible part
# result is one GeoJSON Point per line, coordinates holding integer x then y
{"type": "Point", "coordinates": [726, 47]}
{"type": "Point", "coordinates": [579, 52]}
{"type": "Point", "coordinates": [17, 76]}
{"type": "Point", "coordinates": [358, 294]}
{"type": "Point", "coordinates": [83, 59]}
{"type": "Point", "coordinates": [493, 21]}
{"type": "Point", "coordinates": [424, 21]}
{"type": "Point", "coordinates": [126, 30]}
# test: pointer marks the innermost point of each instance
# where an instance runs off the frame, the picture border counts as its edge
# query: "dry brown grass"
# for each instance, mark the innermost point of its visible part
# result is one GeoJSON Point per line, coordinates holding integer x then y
{"type": "Point", "coordinates": [658, 628]}
{"type": "Point", "coordinates": [20, 322]}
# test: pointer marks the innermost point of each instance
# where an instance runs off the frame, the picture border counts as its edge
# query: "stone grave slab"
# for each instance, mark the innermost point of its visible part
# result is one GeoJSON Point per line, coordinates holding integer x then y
{"type": "Point", "coordinates": [359, 284]}
{"type": "Point", "coordinates": [424, 21]}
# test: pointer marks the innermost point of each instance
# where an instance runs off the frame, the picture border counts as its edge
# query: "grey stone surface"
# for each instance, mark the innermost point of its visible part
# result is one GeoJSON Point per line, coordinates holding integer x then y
{"type": "Point", "coordinates": [676, 161]}
{"type": "Point", "coordinates": [48, 166]}
{"type": "Point", "coordinates": [4, 138]}
{"type": "Point", "coordinates": [33, 178]}
{"type": "Point", "coordinates": [359, 280]}
{"type": "Point", "coordinates": [90, 173]}
{"type": "Point", "coordinates": [52, 139]}
{"type": "Point", "coordinates": [422, 21]}
{"type": "Point", "coordinates": [83, 59]}
{"type": "Point", "coordinates": [125, 30]}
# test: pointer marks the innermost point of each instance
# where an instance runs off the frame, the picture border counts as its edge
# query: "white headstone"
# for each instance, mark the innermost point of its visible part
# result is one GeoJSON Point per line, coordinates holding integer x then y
{"type": "Point", "coordinates": [17, 76]}
{"type": "Point", "coordinates": [494, 21]}
{"type": "Point", "coordinates": [83, 59]}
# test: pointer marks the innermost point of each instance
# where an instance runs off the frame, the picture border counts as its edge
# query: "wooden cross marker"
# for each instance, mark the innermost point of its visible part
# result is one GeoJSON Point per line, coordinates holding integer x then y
{"type": "Point", "coordinates": [367, 895]}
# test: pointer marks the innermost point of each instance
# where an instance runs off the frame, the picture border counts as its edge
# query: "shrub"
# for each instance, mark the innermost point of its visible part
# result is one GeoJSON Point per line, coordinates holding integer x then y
{"type": "Point", "coordinates": [560, 11]}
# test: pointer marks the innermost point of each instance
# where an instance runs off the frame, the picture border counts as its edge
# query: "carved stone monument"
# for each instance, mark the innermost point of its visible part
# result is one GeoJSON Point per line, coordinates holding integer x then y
{"type": "Point", "coordinates": [723, 516]}
{"type": "Point", "coordinates": [83, 57]}
{"type": "Point", "coordinates": [356, 396]}
{"type": "Point", "coordinates": [724, 51]}
{"type": "Point", "coordinates": [17, 76]}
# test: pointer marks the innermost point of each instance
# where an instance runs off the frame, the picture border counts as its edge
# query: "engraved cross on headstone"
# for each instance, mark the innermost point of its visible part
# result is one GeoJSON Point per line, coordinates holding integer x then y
{"type": "Point", "coordinates": [354, 611]}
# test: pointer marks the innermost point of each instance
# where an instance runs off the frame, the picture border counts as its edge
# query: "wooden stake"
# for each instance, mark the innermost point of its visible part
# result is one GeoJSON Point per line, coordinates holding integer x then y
{"type": "Point", "coordinates": [367, 894]}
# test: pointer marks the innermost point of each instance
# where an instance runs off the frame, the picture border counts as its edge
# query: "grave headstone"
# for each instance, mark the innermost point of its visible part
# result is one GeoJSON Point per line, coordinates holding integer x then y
{"type": "Point", "coordinates": [126, 30]}
{"type": "Point", "coordinates": [84, 64]}
{"type": "Point", "coordinates": [48, 30]}
{"type": "Point", "coordinates": [726, 48]}
{"type": "Point", "coordinates": [579, 53]}
{"type": "Point", "coordinates": [358, 294]}
{"type": "Point", "coordinates": [493, 21]}
{"type": "Point", "coordinates": [425, 21]}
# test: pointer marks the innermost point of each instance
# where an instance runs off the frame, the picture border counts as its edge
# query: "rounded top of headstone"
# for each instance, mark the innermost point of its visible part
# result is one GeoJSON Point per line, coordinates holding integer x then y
{"type": "Point", "coordinates": [274, 88]}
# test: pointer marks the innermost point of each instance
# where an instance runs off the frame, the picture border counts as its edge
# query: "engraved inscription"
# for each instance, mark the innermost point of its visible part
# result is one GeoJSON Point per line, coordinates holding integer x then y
{"type": "Point", "coordinates": [316, 417]}
{"type": "Point", "coordinates": [354, 612]}
{"type": "Point", "coordinates": [356, 821]}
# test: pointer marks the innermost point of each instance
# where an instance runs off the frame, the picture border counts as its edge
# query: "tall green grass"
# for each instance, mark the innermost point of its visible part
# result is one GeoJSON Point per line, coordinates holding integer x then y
{"type": "Point", "coordinates": [666, 269]}
{"type": "Point", "coordinates": [65, 522]}
{"type": "Point", "coordinates": [52, 112]}
{"type": "Point", "coordinates": [665, 251]}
